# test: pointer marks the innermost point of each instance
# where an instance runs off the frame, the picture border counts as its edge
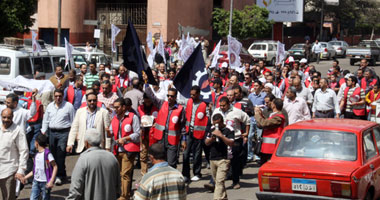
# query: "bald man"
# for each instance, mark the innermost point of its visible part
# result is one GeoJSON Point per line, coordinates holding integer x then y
{"type": "Point", "coordinates": [13, 154]}
{"type": "Point", "coordinates": [302, 91]}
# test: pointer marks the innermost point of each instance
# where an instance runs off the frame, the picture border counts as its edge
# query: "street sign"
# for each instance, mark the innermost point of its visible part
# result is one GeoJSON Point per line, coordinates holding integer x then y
{"type": "Point", "coordinates": [90, 22]}
{"type": "Point", "coordinates": [332, 2]}
{"type": "Point", "coordinates": [97, 33]}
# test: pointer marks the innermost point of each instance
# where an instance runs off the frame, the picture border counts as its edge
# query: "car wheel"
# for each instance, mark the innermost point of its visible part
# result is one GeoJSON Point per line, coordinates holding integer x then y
{"type": "Point", "coordinates": [329, 58]}
{"type": "Point", "coordinates": [272, 62]}
{"type": "Point", "coordinates": [344, 55]}
{"type": "Point", "coordinates": [352, 62]}
{"type": "Point", "coordinates": [368, 196]}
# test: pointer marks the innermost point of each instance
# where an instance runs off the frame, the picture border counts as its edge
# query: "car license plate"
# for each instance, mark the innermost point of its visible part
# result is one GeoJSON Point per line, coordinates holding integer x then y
{"type": "Point", "coordinates": [305, 185]}
{"type": "Point", "coordinates": [357, 56]}
{"type": "Point", "coordinates": [297, 53]}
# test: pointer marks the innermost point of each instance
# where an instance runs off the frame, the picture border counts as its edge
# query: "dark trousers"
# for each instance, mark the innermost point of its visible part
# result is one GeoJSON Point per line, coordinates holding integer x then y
{"type": "Point", "coordinates": [193, 145]}
{"type": "Point", "coordinates": [351, 115]}
{"type": "Point", "coordinates": [329, 114]}
{"type": "Point", "coordinates": [206, 150]}
{"type": "Point", "coordinates": [237, 163]}
{"type": "Point", "coordinates": [57, 146]}
{"type": "Point", "coordinates": [171, 151]}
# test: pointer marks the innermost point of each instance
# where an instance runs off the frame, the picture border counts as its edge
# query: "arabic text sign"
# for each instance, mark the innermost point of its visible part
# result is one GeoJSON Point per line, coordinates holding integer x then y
{"type": "Point", "coordinates": [283, 10]}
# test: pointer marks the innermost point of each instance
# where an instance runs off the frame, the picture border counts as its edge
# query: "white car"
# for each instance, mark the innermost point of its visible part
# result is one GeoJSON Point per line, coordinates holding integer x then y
{"type": "Point", "coordinates": [328, 51]}
{"type": "Point", "coordinates": [19, 60]}
{"type": "Point", "coordinates": [97, 55]}
{"type": "Point", "coordinates": [264, 50]}
{"type": "Point", "coordinates": [340, 47]}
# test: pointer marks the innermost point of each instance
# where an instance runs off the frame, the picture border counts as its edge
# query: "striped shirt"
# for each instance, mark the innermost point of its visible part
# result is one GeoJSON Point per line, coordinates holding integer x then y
{"type": "Point", "coordinates": [161, 182]}
{"type": "Point", "coordinates": [356, 99]}
{"type": "Point", "coordinates": [90, 78]}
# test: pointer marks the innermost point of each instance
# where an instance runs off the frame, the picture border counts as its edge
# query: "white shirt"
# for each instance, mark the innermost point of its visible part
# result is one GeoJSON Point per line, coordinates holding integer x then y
{"type": "Point", "coordinates": [317, 48]}
{"type": "Point", "coordinates": [39, 166]}
{"type": "Point", "coordinates": [324, 101]}
{"type": "Point", "coordinates": [13, 151]}
{"type": "Point", "coordinates": [21, 115]}
{"type": "Point", "coordinates": [297, 110]}
{"type": "Point", "coordinates": [234, 117]}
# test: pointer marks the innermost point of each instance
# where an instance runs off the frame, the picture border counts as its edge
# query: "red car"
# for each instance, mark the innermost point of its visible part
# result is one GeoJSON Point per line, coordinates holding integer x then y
{"type": "Point", "coordinates": [324, 159]}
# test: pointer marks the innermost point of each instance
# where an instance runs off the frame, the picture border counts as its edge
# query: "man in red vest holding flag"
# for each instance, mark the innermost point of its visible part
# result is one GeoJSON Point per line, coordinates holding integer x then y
{"type": "Point", "coordinates": [125, 130]}
{"type": "Point", "coordinates": [196, 123]}
{"type": "Point", "coordinates": [272, 128]}
{"type": "Point", "coordinates": [74, 94]}
{"type": "Point", "coordinates": [169, 123]}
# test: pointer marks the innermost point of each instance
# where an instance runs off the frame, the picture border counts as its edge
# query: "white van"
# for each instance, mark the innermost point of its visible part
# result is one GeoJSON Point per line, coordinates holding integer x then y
{"type": "Point", "coordinates": [264, 50]}
{"type": "Point", "coordinates": [19, 60]}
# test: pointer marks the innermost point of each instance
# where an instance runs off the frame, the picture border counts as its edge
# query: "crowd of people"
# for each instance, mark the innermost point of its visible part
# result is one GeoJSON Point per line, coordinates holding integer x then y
{"type": "Point", "coordinates": [116, 122]}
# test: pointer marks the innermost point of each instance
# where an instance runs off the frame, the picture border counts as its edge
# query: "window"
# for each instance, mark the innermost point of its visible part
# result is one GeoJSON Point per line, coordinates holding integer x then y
{"type": "Point", "coordinates": [5, 65]}
{"type": "Point", "coordinates": [319, 144]}
{"type": "Point", "coordinates": [376, 131]}
{"type": "Point", "coordinates": [42, 64]}
{"type": "Point", "coordinates": [369, 146]}
{"type": "Point", "coordinates": [25, 67]}
{"type": "Point", "coordinates": [270, 48]}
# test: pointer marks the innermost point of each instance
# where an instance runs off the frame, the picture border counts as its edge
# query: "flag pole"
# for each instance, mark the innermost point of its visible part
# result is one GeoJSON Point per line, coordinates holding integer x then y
{"type": "Point", "coordinates": [231, 9]}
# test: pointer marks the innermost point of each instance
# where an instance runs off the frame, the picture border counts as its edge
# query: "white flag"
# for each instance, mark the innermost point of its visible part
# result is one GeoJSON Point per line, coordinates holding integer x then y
{"type": "Point", "coordinates": [149, 41]}
{"type": "Point", "coordinates": [280, 55]}
{"type": "Point", "coordinates": [68, 55]}
{"type": "Point", "coordinates": [35, 45]}
{"type": "Point", "coordinates": [187, 47]}
{"type": "Point", "coordinates": [234, 48]}
{"type": "Point", "coordinates": [161, 49]}
{"type": "Point", "coordinates": [114, 31]}
{"type": "Point", "coordinates": [215, 53]}
{"type": "Point", "coordinates": [152, 50]}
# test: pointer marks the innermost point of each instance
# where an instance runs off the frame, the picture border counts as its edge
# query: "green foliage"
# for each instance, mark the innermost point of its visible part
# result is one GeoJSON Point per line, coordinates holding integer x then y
{"type": "Point", "coordinates": [15, 16]}
{"type": "Point", "coordinates": [251, 22]}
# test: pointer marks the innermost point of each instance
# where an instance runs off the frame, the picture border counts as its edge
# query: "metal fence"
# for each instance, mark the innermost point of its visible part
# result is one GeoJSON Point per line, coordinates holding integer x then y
{"type": "Point", "coordinates": [118, 13]}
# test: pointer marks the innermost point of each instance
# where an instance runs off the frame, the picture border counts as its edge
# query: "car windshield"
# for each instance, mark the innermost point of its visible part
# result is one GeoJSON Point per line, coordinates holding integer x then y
{"type": "Point", "coordinates": [323, 44]}
{"type": "Point", "coordinates": [258, 47]}
{"type": "Point", "coordinates": [336, 43]}
{"type": "Point", "coordinates": [329, 145]}
{"type": "Point", "coordinates": [297, 46]}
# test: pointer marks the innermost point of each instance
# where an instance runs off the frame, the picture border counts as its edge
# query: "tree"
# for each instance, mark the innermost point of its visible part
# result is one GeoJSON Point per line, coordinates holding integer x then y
{"type": "Point", "coordinates": [251, 22]}
{"type": "Point", "coordinates": [15, 16]}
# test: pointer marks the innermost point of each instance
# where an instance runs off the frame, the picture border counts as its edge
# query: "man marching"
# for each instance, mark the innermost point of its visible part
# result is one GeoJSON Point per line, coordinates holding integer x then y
{"type": "Point", "coordinates": [125, 128]}
{"type": "Point", "coordinates": [196, 122]}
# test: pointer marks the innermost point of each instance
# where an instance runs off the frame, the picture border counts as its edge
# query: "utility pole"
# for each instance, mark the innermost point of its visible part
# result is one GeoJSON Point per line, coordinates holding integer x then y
{"type": "Point", "coordinates": [322, 17]}
{"type": "Point", "coordinates": [231, 9]}
{"type": "Point", "coordinates": [59, 23]}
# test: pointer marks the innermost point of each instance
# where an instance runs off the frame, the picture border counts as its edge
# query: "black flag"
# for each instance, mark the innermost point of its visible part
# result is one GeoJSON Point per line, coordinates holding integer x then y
{"type": "Point", "coordinates": [133, 55]}
{"type": "Point", "coordinates": [194, 72]}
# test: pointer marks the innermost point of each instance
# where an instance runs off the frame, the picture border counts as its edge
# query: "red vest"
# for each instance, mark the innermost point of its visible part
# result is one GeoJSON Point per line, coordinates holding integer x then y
{"type": "Point", "coordinates": [71, 93]}
{"type": "Point", "coordinates": [153, 111]}
{"type": "Point", "coordinates": [372, 96]}
{"type": "Point", "coordinates": [40, 109]}
{"type": "Point", "coordinates": [363, 83]}
{"type": "Point", "coordinates": [99, 104]}
{"type": "Point", "coordinates": [126, 130]}
{"type": "Point", "coordinates": [271, 135]}
{"type": "Point", "coordinates": [238, 105]}
{"type": "Point", "coordinates": [174, 124]}
{"type": "Point", "coordinates": [360, 111]}
{"type": "Point", "coordinates": [220, 96]}
{"type": "Point", "coordinates": [117, 82]}
{"type": "Point", "coordinates": [200, 121]}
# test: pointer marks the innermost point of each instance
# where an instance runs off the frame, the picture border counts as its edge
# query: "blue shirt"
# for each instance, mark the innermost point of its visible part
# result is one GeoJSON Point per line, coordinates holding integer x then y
{"type": "Point", "coordinates": [257, 99]}
{"type": "Point", "coordinates": [161, 164]}
{"type": "Point", "coordinates": [77, 97]}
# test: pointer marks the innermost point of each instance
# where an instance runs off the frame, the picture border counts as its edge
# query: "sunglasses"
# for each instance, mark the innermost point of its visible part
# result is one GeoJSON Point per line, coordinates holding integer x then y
{"type": "Point", "coordinates": [170, 96]}
{"type": "Point", "coordinates": [92, 100]}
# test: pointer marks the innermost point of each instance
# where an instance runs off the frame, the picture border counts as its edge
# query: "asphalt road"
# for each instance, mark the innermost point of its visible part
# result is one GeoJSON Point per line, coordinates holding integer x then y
{"type": "Point", "coordinates": [249, 181]}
